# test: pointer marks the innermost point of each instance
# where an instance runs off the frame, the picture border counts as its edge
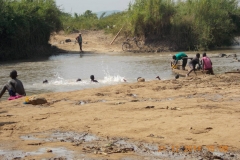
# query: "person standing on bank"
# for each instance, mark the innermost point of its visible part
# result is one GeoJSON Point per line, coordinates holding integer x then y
{"type": "Point", "coordinates": [14, 86]}
{"type": "Point", "coordinates": [179, 56]}
{"type": "Point", "coordinates": [207, 64]}
{"type": "Point", "coordinates": [79, 40]}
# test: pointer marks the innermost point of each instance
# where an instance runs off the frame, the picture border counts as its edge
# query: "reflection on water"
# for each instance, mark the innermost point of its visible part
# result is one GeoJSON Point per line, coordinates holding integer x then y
{"type": "Point", "coordinates": [62, 71]}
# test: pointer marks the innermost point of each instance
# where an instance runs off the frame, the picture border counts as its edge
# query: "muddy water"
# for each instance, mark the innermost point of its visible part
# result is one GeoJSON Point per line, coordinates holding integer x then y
{"type": "Point", "coordinates": [62, 71]}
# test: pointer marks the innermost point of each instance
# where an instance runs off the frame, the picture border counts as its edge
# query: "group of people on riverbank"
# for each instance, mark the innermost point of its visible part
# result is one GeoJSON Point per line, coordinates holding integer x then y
{"type": "Point", "coordinates": [204, 64]}
{"type": "Point", "coordinates": [16, 89]}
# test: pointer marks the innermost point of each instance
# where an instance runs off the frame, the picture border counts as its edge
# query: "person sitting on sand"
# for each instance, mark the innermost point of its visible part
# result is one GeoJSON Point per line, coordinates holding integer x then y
{"type": "Point", "coordinates": [179, 56]}
{"type": "Point", "coordinates": [207, 64]}
{"type": "Point", "coordinates": [93, 79]}
{"type": "Point", "coordinates": [193, 63]}
{"type": "Point", "coordinates": [79, 40]}
{"type": "Point", "coordinates": [14, 86]}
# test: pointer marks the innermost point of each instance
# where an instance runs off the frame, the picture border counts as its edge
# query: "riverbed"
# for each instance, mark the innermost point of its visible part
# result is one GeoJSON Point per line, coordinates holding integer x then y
{"type": "Point", "coordinates": [63, 70]}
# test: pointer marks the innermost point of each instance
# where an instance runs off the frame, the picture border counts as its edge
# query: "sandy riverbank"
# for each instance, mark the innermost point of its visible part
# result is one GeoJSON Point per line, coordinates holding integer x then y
{"type": "Point", "coordinates": [93, 42]}
{"type": "Point", "coordinates": [189, 118]}
{"type": "Point", "coordinates": [193, 111]}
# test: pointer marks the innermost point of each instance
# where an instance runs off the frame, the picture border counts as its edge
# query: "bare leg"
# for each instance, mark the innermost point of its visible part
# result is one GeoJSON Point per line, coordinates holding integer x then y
{"type": "Point", "coordinates": [3, 91]}
{"type": "Point", "coordinates": [80, 45]}
{"type": "Point", "coordinates": [192, 69]}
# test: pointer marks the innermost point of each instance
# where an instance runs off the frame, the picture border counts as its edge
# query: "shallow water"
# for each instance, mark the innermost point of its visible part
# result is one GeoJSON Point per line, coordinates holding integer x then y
{"type": "Point", "coordinates": [62, 71]}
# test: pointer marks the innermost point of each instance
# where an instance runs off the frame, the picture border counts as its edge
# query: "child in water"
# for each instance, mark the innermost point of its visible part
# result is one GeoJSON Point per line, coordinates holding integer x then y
{"type": "Point", "coordinates": [93, 79]}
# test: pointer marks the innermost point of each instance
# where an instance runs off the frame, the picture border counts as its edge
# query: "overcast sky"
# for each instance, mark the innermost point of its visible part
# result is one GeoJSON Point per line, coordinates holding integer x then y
{"type": "Point", "coordinates": [80, 6]}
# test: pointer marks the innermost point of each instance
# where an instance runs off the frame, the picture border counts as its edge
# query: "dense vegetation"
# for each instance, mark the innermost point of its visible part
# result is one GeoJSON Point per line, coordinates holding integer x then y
{"type": "Point", "coordinates": [25, 27]}
{"type": "Point", "coordinates": [89, 20]}
{"type": "Point", "coordinates": [187, 24]}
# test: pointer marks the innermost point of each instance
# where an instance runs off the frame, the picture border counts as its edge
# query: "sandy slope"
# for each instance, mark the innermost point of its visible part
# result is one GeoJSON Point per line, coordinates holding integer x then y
{"type": "Point", "coordinates": [189, 111]}
{"type": "Point", "coordinates": [93, 41]}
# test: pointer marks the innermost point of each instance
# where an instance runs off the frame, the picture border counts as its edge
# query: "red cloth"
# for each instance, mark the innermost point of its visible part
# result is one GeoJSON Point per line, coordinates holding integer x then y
{"type": "Point", "coordinates": [14, 97]}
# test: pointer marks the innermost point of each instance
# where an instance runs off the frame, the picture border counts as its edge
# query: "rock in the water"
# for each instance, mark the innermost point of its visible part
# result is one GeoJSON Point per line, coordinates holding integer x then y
{"type": "Point", "coordinates": [222, 55]}
{"type": "Point", "coordinates": [45, 81]}
{"type": "Point", "coordinates": [177, 76]}
{"type": "Point", "coordinates": [140, 79]}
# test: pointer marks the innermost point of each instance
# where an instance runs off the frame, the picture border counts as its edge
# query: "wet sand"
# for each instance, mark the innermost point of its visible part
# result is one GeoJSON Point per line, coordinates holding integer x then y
{"type": "Point", "coordinates": [191, 118]}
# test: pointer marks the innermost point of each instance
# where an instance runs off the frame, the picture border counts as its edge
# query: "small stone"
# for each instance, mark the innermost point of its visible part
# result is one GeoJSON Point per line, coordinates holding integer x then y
{"type": "Point", "coordinates": [49, 150]}
{"type": "Point", "coordinates": [104, 153]}
{"type": "Point", "coordinates": [134, 100]}
{"type": "Point", "coordinates": [151, 135]}
{"type": "Point", "coordinates": [150, 107]}
{"type": "Point", "coordinates": [140, 79]}
{"type": "Point", "coordinates": [209, 128]}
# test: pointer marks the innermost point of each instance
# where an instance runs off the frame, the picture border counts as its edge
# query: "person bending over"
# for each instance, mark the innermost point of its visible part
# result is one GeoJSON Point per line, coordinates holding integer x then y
{"type": "Point", "coordinates": [14, 86]}
{"type": "Point", "coordinates": [179, 56]}
{"type": "Point", "coordinates": [193, 63]}
{"type": "Point", "coordinates": [207, 64]}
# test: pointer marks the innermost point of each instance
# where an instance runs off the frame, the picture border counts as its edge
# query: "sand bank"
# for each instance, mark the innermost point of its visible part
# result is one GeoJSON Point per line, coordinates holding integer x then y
{"type": "Point", "coordinates": [194, 111]}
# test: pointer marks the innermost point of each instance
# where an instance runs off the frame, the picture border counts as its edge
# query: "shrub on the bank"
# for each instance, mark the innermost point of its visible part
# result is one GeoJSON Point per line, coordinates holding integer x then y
{"type": "Point", "coordinates": [190, 24]}
{"type": "Point", "coordinates": [90, 21]}
{"type": "Point", "coordinates": [25, 27]}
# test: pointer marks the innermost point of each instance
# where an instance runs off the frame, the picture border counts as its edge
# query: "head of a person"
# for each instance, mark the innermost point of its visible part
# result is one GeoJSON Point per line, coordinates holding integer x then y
{"type": "Point", "coordinates": [174, 57]}
{"type": "Point", "coordinates": [198, 55]}
{"type": "Point", "coordinates": [80, 34]}
{"type": "Point", "coordinates": [13, 74]}
{"type": "Point", "coordinates": [204, 54]}
{"type": "Point", "coordinates": [92, 77]}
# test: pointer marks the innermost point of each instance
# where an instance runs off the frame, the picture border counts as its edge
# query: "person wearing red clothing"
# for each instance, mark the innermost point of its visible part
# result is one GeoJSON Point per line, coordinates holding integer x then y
{"type": "Point", "coordinates": [207, 64]}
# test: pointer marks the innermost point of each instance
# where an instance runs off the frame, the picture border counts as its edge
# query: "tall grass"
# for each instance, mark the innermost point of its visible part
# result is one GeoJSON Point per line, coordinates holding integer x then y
{"type": "Point", "coordinates": [190, 24]}
{"type": "Point", "coordinates": [186, 24]}
{"type": "Point", "coordinates": [26, 25]}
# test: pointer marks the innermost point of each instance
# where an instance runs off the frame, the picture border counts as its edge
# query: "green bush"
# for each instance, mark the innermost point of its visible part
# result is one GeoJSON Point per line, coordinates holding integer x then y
{"type": "Point", "coordinates": [26, 26]}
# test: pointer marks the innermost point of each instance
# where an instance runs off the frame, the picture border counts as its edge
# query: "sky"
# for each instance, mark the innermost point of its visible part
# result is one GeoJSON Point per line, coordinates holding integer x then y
{"type": "Point", "coordinates": [80, 6]}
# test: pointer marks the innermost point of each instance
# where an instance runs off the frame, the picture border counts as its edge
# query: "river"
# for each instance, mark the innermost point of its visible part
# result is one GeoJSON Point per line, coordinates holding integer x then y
{"type": "Point", "coordinates": [62, 71]}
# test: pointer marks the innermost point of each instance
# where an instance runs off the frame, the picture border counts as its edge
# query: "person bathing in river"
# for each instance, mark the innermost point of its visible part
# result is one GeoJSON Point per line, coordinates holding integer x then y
{"type": "Point", "coordinates": [93, 79]}
{"type": "Point", "coordinates": [193, 63]}
{"type": "Point", "coordinates": [207, 64]}
{"type": "Point", "coordinates": [179, 56]}
{"type": "Point", "coordinates": [79, 40]}
{"type": "Point", "coordinates": [14, 87]}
